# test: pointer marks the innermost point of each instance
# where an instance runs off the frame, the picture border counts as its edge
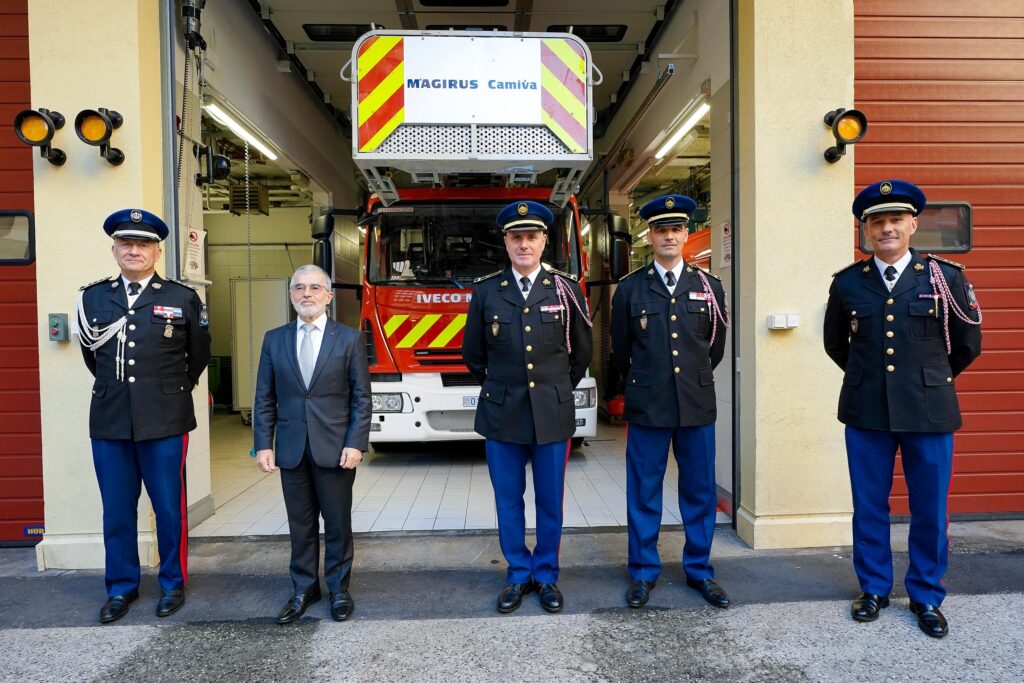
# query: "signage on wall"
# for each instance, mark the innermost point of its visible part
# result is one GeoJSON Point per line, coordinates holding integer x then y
{"type": "Point", "coordinates": [725, 253]}
{"type": "Point", "coordinates": [195, 263]}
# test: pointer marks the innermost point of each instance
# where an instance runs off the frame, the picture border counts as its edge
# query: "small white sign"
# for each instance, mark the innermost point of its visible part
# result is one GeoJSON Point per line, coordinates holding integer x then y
{"type": "Point", "coordinates": [467, 80]}
{"type": "Point", "coordinates": [195, 262]}
{"type": "Point", "coordinates": [725, 253]}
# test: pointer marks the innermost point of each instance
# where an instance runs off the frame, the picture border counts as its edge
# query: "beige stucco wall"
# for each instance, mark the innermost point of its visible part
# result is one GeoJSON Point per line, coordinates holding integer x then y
{"type": "Point", "coordinates": [795, 64]}
{"type": "Point", "coordinates": [85, 60]}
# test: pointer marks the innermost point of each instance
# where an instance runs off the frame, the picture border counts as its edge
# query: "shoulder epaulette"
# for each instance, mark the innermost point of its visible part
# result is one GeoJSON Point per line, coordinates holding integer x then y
{"type": "Point", "coordinates": [846, 268]}
{"type": "Point", "coordinates": [565, 275]}
{"type": "Point", "coordinates": [633, 272]}
{"type": "Point", "coordinates": [705, 271]}
{"type": "Point", "coordinates": [488, 276]}
{"type": "Point", "coordinates": [947, 261]}
{"type": "Point", "coordinates": [96, 282]}
{"type": "Point", "coordinates": [183, 284]}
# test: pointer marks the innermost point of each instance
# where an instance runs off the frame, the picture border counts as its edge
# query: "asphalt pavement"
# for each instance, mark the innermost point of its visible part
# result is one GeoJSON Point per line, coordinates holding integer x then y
{"type": "Point", "coordinates": [425, 612]}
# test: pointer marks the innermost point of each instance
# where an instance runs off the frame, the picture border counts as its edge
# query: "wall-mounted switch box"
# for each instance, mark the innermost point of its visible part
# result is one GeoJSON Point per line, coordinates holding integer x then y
{"type": "Point", "coordinates": [58, 326]}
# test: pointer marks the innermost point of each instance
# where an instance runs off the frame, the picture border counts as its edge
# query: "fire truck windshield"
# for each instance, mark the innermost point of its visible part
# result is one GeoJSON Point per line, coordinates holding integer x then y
{"type": "Point", "coordinates": [435, 244]}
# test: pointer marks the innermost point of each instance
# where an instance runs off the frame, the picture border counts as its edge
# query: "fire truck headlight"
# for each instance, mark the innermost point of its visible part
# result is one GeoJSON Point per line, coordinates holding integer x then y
{"type": "Point", "coordinates": [848, 127]}
{"type": "Point", "coordinates": [387, 403]}
{"type": "Point", "coordinates": [585, 398]}
{"type": "Point", "coordinates": [36, 127]}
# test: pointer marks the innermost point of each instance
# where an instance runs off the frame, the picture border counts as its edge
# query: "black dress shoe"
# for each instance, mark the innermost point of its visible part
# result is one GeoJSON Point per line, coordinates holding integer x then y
{"type": "Point", "coordinates": [511, 596]}
{"type": "Point", "coordinates": [116, 606]}
{"type": "Point", "coordinates": [342, 606]}
{"type": "Point", "coordinates": [710, 591]}
{"type": "Point", "coordinates": [639, 593]}
{"type": "Point", "coordinates": [930, 619]}
{"type": "Point", "coordinates": [170, 602]}
{"type": "Point", "coordinates": [865, 607]}
{"type": "Point", "coordinates": [296, 607]}
{"type": "Point", "coordinates": [550, 597]}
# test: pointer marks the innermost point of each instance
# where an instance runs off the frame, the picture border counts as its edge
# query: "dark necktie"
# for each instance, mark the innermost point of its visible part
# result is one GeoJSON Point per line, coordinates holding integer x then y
{"type": "Point", "coordinates": [890, 273]}
{"type": "Point", "coordinates": [670, 279]}
{"type": "Point", "coordinates": [526, 283]}
{"type": "Point", "coordinates": [133, 288]}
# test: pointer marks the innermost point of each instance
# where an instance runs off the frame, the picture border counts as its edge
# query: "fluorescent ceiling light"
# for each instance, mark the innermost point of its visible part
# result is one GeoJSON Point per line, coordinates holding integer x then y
{"type": "Point", "coordinates": [221, 116]}
{"type": "Point", "coordinates": [696, 116]}
{"type": "Point", "coordinates": [643, 234]}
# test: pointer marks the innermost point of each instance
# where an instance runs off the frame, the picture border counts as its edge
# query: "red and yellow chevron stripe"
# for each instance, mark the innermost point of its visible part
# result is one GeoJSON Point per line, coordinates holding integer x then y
{"type": "Point", "coordinates": [381, 77]}
{"type": "Point", "coordinates": [431, 331]}
{"type": "Point", "coordinates": [564, 96]}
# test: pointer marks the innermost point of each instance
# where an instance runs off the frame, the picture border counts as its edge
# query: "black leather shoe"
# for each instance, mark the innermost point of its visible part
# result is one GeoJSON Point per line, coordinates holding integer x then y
{"type": "Point", "coordinates": [342, 606]}
{"type": "Point", "coordinates": [170, 602]}
{"type": "Point", "coordinates": [930, 619]}
{"type": "Point", "coordinates": [116, 606]}
{"type": "Point", "coordinates": [711, 592]}
{"type": "Point", "coordinates": [639, 593]}
{"type": "Point", "coordinates": [511, 596]}
{"type": "Point", "coordinates": [550, 597]}
{"type": "Point", "coordinates": [865, 607]}
{"type": "Point", "coordinates": [296, 607]}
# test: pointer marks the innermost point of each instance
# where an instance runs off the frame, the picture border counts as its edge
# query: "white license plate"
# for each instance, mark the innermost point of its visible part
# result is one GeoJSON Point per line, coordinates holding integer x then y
{"type": "Point", "coordinates": [469, 401]}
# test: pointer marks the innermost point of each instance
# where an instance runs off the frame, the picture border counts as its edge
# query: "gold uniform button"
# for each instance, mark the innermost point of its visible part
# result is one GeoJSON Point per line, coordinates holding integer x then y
{"type": "Point", "coordinates": [131, 345]}
{"type": "Point", "coordinates": [889, 317]}
{"type": "Point", "coordinates": [131, 327]}
{"type": "Point", "coordinates": [532, 385]}
{"type": "Point", "coordinates": [528, 328]}
{"type": "Point", "coordinates": [931, 311]}
{"type": "Point", "coordinates": [677, 371]}
{"type": "Point", "coordinates": [889, 352]}
{"type": "Point", "coordinates": [889, 334]}
{"type": "Point", "coordinates": [131, 312]}
{"type": "Point", "coordinates": [526, 310]}
{"type": "Point", "coordinates": [675, 335]}
{"type": "Point", "coordinates": [949, 379]}
{"type": "Point", "coordinates": [529, 366]}
{"type": "Point", "coordinates": [495, 317]}
{"type": "Point", "coordinates": [851, 313]}
{"type": "Point", "coordinates": [131, 379]}
{"type": "Point", "coordinates": [889, 301]}
{"type": "Point", "coordinates": [131, 361]}
{"type": "Point", "coordinates": [701, 309]}
{"type": "Point", "coordinates": [529, 348]}
{"type": "Point", "coordinates": [673, 317]}
{"type": "Point", "coordinates": [890, 368]}
{"type": "Point", "coordinates": [673, 300]}
{"type": "Point", "coordinates": [674, 352]}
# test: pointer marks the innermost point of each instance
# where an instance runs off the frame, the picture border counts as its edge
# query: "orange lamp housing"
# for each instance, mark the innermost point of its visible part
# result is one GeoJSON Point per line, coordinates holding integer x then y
{"type": "Point", "coordinates": [94, 127]}
{"type": "Point", "coordinates": [36, 127]}
{"type": "Point", "coordinates": [848, 127]}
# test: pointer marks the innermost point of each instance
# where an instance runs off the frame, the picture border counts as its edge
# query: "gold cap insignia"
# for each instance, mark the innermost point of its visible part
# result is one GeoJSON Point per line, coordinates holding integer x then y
{"type": "Point", "coordinates": [918, 266]}
{"type": "Point", "coordinates": [885, 188]}
{"type": "Point", "coordinates": [523, 209]}
{"type": "Point", "coordinates": [669, 203]}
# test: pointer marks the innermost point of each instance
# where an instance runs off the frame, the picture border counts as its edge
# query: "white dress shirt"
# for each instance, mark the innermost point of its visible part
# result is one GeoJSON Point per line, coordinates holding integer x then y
{"type": "Point", "coordinates": [142, 286]}
{"type": "Point", "coordinates": [533, 279]}
{"type": "Point", "coordinates": [677, 272]}
{"type": "Point", "coordinates": [899, 266]}
{"type": "Point", "coordinates": [317, 338]}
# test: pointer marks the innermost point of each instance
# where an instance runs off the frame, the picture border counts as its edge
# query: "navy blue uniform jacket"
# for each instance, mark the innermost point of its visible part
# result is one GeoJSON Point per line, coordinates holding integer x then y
{"type": "Point", "coordinates": [516, 349]}
{"type": "Point", "coordinates": [334, 412]}
{"type": "Point", "coordinates": [898, 376]}
{"type": "Point", "coordinates": [661, 344]}
{"type": "Point", "coordinates": [161, 367]}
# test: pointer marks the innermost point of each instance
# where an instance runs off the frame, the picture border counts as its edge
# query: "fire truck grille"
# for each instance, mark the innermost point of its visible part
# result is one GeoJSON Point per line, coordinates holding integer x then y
{"type": "Point", "coordinates": [457, 141]}
{"type": "Point", "coordinates": [451, 420]}
{"type": "Point", "coordinates": [458, 379]}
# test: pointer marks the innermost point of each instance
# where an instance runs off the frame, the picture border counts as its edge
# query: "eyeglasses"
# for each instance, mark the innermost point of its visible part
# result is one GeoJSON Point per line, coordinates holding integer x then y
{"type": "Point", "coordinates": [315, 289]}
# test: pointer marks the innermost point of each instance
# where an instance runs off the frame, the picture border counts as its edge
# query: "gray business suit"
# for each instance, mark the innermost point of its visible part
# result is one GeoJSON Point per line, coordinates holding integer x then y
{"type": "Point", "coordinates": [308, 428]}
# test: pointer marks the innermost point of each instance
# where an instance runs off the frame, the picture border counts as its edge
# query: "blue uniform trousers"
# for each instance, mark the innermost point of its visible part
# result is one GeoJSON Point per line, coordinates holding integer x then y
{"type": "Point", "coordinates": [506, 463]}
{"type": "Point", "coordinates": [646, 460]}
{"type": "Point", "coordinates": [122, 465]}
{"type": "Point", "coordinates": [928, 467]}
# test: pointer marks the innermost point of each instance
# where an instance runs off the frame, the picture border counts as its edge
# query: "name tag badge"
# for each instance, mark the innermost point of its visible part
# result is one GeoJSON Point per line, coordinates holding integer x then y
{"type": "Point", "coordinates": [167, 312]}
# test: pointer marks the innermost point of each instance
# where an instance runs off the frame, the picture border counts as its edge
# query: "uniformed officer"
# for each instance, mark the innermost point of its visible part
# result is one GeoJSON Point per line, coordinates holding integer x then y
{"type": "Point", "coordinates": [146, 340]}
{"type": "Point", "coordinates": [668, 329]}
{"type": "Point", "coordinates": [528, 342]}
{"type": "Point", "coordinates": [901, 326]}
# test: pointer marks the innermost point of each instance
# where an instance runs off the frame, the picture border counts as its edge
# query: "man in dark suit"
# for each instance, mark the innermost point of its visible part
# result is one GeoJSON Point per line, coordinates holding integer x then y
{"type": "Point", "coordinates": [528, 343]}
{"type": "Point", "coordinates": [668, 334]}
{"type": "Point", "coordinates": [901, 326]}
{"type": "Point", "coordinates": [311, 418]}
{"type": "Point", "coordinates": [146, 340]}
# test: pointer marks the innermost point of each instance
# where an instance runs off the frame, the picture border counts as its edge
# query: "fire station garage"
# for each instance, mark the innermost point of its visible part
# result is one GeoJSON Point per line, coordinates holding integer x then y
{"type": "Point", "coordinates": [276, 134]}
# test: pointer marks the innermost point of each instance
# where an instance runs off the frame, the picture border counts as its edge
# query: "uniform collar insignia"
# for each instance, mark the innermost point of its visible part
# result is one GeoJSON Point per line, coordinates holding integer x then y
{"type": "Point", "coordinates": [114, 284]}
{"type": "Point", "coordinates": [867, 269]}
{"type": "Point", "coordinates": [547, 281]}
{"type": "Point", "coordinates": [156, 285]}
{"type": "Point", "coordinates": [503, 283]}
{"type": "Point", "coordinates": [651, 271]}
{"type": "Point", "coordinates": [689, 269]}
{"type": "Point", "coordinates": [918, 267]}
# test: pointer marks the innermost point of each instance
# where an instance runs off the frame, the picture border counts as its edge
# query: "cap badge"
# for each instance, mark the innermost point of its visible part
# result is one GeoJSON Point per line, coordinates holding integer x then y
{"type": "Point", "coordinates": [885, 188]}
{"type": "Point", "coordinates": [523, 209]}
{"type": "Point", "coordinates": [136, 216]}
{"type": "Point", "coordinates": [669, 203]}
